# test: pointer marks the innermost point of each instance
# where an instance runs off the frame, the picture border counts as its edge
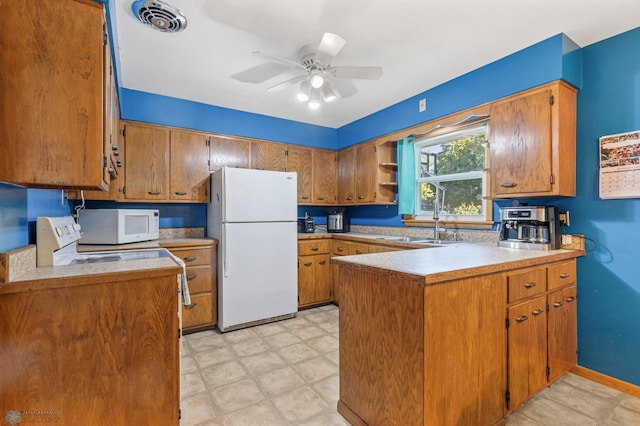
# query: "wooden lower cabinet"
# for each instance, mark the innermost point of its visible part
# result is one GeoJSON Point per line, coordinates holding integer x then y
{"type": "Point", "coordinates": [93, 349]}
{"type": "Point", "coordinates": [314, 273]}
{"type": "Point", "coordinates": [201, 278]}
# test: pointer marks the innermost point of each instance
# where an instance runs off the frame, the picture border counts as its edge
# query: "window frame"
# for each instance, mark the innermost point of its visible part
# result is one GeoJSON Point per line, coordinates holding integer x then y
{"type": "Point", "coordinates": [440, 135]}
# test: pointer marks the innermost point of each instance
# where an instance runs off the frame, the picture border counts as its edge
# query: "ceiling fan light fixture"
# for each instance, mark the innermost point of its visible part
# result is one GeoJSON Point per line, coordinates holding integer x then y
{"type": "Point", "coordinates": [328, 94]}
{"type": "Point", "coordinates": [316, 79]}
{"type": "Point", "coordinates": [303, 91]}
{"type": "Point", "coordinates": [315, 100]}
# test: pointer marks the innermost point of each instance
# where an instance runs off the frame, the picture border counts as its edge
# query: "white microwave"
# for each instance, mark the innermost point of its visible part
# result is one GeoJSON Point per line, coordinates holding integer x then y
{"type": "Point", "coordinates": [118, 226]}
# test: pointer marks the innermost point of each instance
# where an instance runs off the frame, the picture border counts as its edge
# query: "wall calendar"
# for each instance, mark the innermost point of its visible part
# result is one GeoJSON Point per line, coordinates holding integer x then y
{"type": "Point", "coordinates": [620, 165]}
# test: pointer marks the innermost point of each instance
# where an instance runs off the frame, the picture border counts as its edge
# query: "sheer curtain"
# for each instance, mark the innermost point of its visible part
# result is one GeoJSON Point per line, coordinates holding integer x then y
{"type": "Point", "coordinates": [406, 176]}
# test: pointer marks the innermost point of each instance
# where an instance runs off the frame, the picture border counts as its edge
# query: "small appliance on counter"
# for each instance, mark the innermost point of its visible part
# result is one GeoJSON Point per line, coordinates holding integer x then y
{"type": "Point", "coordinates": [118, 226]}
{"type": "Point", "coordinates": [306, 225]}
{"type": "Point", "coordinates": [529, 227]}
{"type": "Point", "coordinates": [337, 220]}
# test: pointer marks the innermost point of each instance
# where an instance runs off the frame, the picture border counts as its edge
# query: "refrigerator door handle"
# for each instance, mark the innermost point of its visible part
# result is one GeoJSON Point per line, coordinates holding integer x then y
{"type": "Point", "coordinates": [225, 252]}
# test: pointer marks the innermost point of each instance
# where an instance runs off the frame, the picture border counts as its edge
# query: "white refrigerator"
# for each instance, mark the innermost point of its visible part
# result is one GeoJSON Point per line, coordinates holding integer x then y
{"type": "Point", "coordinates": [253, 215]}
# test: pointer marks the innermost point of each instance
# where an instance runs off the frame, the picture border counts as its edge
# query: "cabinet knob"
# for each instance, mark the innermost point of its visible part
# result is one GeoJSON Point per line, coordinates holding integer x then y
{"type": "Point", "coordinates": [508, 185]}
{"type": "Point", "coordinates": [360, 197]}
{"type": "Point", "coordinates": [565, 275]}
{"type": "Point", "coordinates": [320, 198]}
{"type": "Point", "coordinates": [189, 259]}
{"type": "Point", "coordinates": [340, 249]}
{"type": "Point", "coordinates": [358, 252]}
{"type": "Point", "coordinates": [530, 285]}
{"type": "Point", "coordinates": [308, 263]}
{"type": "Point", "coordinates": [304, 197]}
{"type": "Point", "coordinates": [522, 318]}
{"type": "Point", "coordinates": [557, 304]}
{"type": "Point", "coordinates": [181, 193]}
{"type": "Point", "coordinates": [570, 299]}
{"type": "Point", "coordinates": [314, 248]}
{"type": "Point", "coordinates": [538, 312]}
{"type": "Point", "coordinates": [153, 192]}
{"type": "Point", "coordinates": [322, 262]}
{"type": "Point", "coordinates": [349, 198]}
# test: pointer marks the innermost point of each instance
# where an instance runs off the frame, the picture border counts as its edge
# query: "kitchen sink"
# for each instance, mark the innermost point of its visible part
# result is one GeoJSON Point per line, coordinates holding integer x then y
{"type": "Point", "coordinates": [438, 242]}
{"type": "Point", "coordinates": [403, 239]}
{"type": "Point", "coordinates": [417, 240]}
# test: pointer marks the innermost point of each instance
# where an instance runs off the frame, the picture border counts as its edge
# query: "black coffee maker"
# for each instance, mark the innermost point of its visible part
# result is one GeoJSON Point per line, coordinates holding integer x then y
{"type": "Point", "coordinates": [529, 227]}
{"type": "Point", "coordinates": [306, 225]}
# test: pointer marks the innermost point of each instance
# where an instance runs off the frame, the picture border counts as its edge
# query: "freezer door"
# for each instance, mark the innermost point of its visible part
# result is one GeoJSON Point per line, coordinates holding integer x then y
{"type": "Point", "coordinates": [258, 195]}
{"type": "Point", "coordinates": [257, 272]}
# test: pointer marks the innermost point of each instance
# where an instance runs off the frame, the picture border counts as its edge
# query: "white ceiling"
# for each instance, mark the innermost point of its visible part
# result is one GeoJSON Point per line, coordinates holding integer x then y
{"type": "Point", "coordinates": [418, 43]}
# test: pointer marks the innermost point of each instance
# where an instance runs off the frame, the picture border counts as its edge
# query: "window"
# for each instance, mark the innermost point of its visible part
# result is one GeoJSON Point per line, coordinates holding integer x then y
{"type": "Point", "coordinates": [451, 175]}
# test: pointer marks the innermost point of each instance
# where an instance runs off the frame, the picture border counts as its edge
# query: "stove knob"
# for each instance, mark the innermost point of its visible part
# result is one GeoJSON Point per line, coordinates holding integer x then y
{"type": "Point", "coordinates": [76, 227]}
{"type": "Point", "coordinates": [59, 231]}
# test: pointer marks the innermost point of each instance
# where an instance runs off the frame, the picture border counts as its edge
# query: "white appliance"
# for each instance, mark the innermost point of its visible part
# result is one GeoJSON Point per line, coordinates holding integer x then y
{"type": "Point", "coordinates": [118, 226]}
{"type": "Point", "coordinates": [253, 215]}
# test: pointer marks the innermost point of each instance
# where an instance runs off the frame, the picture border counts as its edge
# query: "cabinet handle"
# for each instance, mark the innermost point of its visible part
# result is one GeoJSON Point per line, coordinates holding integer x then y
{"type": "Point", "coordinates": [570, 299]}
{"type": "Point", "coordinates": [557, 304]}
{"type": "Point", "coordinates": [304, 197]}
{"type": "Point", "coordinates": [118, 163]}
{"type": "Point", "coordinates": [358, 252]}
{"type": "Point", "coordinates": [349, 198]}
{"type": "Point", "coordinates": [508, 185]}
{"type": "Point", "coordinates": [530, 285]}
{"type": "Point", "coordinates": [522, 318]}
{"type": "Point", "coordinates": [153, 192]}
{"type": "Point", "coordinates": [189, 259]}
{"type": "Point", "coordinates": [322, 262]}
{"type": "Point", "coordinates": [190, 277]}
{"type": "Point", "coordinates": [111, 170]}
{"type": "Point", "coordinates": [308, 263]}
{"type": "Point", "coordinates": [314, 248]}
{"type": "Point", "coordinates": [181, 193]}
{"type": "Point", "coordinates": [565, 275]}
{"type": "Point", "coordinates": [320, 198]}
{"type": "Point", "coordinates": [114, 147]}
{"type": "Point", "coordinates": [360, 197]}
{"type": "Point", "coordinates": [340, 249]}
{"type": "Point", "coordinates": [538, 312]}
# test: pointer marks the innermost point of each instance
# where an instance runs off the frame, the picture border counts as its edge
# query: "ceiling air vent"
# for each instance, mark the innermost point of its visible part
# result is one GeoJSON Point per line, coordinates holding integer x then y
{"type": "Point", "coordinates": [159, 15]}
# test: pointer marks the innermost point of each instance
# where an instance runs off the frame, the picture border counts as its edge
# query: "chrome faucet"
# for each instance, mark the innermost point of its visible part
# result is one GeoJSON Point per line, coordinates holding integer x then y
{"type": "Point", "coordinates": [437, 206]}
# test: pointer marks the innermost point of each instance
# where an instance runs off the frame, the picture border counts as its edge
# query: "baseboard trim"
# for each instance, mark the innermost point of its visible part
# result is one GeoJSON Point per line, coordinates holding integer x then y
{"type": "Point", "coordinates": [603, 379]}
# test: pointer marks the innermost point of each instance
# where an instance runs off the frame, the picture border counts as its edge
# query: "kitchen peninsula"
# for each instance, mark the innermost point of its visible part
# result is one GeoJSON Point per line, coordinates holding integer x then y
{"type": "Point", "coordinates": [424, 334]}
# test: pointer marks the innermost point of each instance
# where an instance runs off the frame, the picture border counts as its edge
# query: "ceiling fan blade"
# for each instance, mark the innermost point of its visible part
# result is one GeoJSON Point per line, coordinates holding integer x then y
{"type": "Point", "coordinates": [287, 83]}
{"type": "Point", "coordinates": [278, 59]}
{"type": "Point", "coordinates": [260, 73]}
{"type": "Point", "coordinates": [345, 88]}
{"type": "Point", "coordinates": [366, 73]}
{"type": "Point", "coordinates": [330, 45]}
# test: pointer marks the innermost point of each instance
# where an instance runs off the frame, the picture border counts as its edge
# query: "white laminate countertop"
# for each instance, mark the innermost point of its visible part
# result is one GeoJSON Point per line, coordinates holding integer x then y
{"type": "Point", "coordinates": [454, 261]}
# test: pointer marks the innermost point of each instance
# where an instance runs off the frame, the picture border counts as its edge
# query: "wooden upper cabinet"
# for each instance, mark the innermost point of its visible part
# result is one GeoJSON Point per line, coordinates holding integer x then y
{"type": "Point", "coordinates": [324, 177]}
{"type": "Point", "coordinates": [365, 177]}
{"type": "Point", "coordinates": [346, 176]}
{"type": "Point", "coordinates": [147, 167]}
{"type": "Point", "coordinates": [51, 101]}
{"type": "Point", "coordinates": [189, 170]}
{"type": "Point", "coordinates": [532, 143]}
{"type": "Point", "coordinates": [268, 156]}
{"type": "Point", "coordinates": [299, 161]}
{"type": "Point", "coordinates": [228, 151]}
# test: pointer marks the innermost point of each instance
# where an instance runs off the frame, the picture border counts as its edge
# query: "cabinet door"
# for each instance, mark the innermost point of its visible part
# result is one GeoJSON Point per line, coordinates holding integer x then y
{"type": "Point", "coordinates": [520, 146]}
{"type": "Point", "coordinates": [324, 177]}
{"type": "Point", "coordinates": [52, 94]}
{"type": "Point", "coordinates": [365, 178]}
{"type": "Point", "coordinates": [189, 167]}
{"type": "Point", "coordinates": [147, 163]}
{"type": "Point", "coordinates": [268, 156]}
{"type": "Point", "coordinates": [306, 278]}
{"type": "Point", "coordinates": [527, 349]}
{"type": "Point", "coordinates": [346, 176]}
{"type": "Point", "coordinates": [299, 161]}
{"type": "Point", "coordinates": [562, 331]}
{"type": "Point", "coordinates": [229, 152]}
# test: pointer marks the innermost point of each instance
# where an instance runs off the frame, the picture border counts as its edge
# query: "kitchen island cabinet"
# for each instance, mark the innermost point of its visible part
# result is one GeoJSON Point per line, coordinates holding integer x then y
{"type": "Point", "coordinates": [92, 344]}
{"type": "Point", "coordinates": [422, 333]}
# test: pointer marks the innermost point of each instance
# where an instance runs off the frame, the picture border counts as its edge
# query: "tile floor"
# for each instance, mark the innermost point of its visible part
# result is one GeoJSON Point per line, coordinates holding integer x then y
{"type": "Point", "coordinates": [286, 373]}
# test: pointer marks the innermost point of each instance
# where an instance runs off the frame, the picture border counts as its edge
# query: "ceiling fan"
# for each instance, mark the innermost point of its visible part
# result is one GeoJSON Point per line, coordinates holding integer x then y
{"type": "Point", "coordinates": [319, 80]}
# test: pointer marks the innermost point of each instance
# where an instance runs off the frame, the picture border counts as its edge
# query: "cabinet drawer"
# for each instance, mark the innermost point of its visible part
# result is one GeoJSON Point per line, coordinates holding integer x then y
{"type": "Point", "coordinates": [201, 314]}
{"type": "Point", "coordinates": [306, 248]}
{"type": "Point", "coordinates": [561, 274]}
{"type": "Point", "coordinates": [340, 248]}
{"type": "Point", "coordinates": [358, 248]}
{"type": "Point", "coordinates": [199, 256]}
{"type": "Point", "coordinates": [199, 279]}
{"type": "Point", "coordinates": [526, 283]}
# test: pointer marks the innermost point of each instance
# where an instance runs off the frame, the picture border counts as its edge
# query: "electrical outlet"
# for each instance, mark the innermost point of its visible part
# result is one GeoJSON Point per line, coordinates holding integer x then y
{"type": "Point", "coordinates": [64, 197]}
{"type": "Point", "coordinates": [422, 105]}
{"type": "Point", "coordinates": [563, 218]}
